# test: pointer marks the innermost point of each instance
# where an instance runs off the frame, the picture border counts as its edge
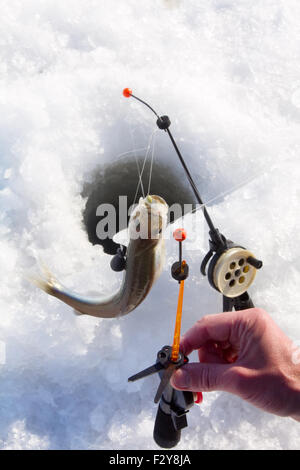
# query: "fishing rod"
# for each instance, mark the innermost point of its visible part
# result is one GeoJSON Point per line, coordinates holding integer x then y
{"type": "Point", "coordinates": [163, 123]}
{"type": "Point", "coordinates": [231, 270]}
{"type": "Point", "coordinates": [173, 404]}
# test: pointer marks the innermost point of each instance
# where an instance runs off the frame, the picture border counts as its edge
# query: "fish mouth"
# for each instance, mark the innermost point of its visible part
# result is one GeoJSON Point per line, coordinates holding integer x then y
{"type": "Point", "coordinates": [151, 201]}
{"type": "Point", "coordinates": [155, 205]}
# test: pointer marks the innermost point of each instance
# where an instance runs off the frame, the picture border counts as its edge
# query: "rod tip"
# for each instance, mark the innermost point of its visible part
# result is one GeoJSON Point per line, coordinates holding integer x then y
{"type": "Point", "coordinates": [127, 92]}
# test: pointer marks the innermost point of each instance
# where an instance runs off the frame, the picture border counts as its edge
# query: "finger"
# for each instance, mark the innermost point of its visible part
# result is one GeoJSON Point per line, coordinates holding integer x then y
{"type": "Point", "coordinates": [202, 377]}
{"type": "Point", "coordinates": [211, 352]}
{"type": "Point", "coordinates": [216, 327]}
{"type": "Point", "coordinates": [211, 356]}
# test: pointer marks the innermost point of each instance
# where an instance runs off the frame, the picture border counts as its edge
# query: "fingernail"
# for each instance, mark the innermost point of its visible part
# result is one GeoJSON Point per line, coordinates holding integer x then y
{"type": "Point", "coordinates": [182, 379]}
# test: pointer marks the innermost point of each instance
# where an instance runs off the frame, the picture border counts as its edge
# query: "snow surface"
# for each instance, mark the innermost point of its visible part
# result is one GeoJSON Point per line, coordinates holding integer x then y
{"type": "Point", "coordinates": [227, 73]}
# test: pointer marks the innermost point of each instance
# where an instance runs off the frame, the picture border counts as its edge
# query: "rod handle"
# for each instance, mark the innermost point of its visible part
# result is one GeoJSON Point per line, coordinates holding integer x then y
{"type": "Point", "coordinates": [165, 434]}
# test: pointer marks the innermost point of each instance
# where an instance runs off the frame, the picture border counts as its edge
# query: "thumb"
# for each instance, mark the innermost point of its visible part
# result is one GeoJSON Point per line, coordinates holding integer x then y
{"type": "Point", "coordinates": [201, 377]}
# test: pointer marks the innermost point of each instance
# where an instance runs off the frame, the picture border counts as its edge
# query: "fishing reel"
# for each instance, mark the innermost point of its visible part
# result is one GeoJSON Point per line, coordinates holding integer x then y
{"type": "Point", "coordinates": [231, 270]}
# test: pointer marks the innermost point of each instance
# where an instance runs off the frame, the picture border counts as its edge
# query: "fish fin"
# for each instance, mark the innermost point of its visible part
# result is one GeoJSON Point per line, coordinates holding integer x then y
{"type": "Point", "coordinates": [122, 237]}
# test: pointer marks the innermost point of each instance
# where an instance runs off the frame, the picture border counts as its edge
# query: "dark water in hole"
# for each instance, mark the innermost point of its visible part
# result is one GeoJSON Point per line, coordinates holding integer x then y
{"type": "Point", "coordinates": [112, 180]}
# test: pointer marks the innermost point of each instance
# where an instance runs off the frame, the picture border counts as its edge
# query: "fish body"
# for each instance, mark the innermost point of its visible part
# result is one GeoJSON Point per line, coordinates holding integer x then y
{"type": "Point", "coordinates": [144, 262]}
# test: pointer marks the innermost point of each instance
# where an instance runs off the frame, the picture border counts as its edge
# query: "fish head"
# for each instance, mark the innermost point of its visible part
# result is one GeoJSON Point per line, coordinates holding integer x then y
{"type": "Point", "coordinates": [149, 218]}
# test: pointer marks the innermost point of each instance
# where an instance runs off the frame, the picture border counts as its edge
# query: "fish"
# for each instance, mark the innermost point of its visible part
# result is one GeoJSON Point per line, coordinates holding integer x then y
{"type": "Point", "coordinates": [144, 263]}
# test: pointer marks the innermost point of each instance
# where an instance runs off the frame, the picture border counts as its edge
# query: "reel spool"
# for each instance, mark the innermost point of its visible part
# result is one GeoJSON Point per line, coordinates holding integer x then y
{"type": "Point", "coordinates": [232, 271]}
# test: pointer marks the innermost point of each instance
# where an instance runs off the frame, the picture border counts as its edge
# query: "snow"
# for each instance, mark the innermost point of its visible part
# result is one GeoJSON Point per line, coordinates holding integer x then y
{"type": "Point", "coordinates": [227, 74]}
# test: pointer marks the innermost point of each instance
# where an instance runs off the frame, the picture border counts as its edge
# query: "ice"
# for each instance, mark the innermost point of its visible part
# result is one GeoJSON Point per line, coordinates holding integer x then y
{"type": "Point", "coordinates": [227, 74]}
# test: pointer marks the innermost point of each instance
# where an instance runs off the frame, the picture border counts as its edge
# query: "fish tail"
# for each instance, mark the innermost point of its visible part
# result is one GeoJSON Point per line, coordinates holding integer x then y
{"type": "Point", "coordinates": [102, 308]}
{"type": "Point", "coordinates": [50, 285]}
{"type": "Point", "coordinates": [46, 282]}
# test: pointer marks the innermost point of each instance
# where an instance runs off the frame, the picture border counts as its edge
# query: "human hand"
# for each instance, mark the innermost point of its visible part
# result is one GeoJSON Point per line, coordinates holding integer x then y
{"type": "Point", "coordinates": [244, 353]}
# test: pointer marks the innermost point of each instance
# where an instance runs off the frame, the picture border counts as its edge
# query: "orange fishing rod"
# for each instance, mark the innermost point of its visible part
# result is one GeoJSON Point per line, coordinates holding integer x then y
{"type": "Point", "coordinates": [176, 339]}
{"type": "Point", "coordinates": [179, 272]}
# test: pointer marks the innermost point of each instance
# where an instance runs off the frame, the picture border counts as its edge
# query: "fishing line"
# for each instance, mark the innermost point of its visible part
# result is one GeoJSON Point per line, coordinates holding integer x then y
{"type": "Point", "coordinates": [151, 164]}
{"type": "Point", "coordinates": [123, 154]}
{"type": "Point", "coordinates": [140, 182]}
{"type": "Point", "coordinates": [137, 164]}
{"type": "Point", "coordinates": [245, 182]}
